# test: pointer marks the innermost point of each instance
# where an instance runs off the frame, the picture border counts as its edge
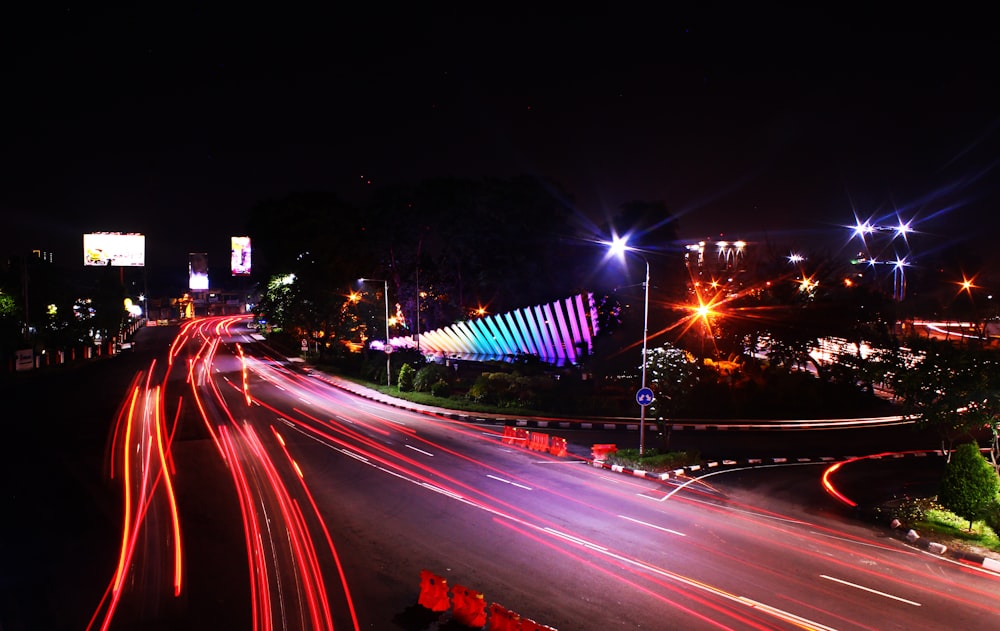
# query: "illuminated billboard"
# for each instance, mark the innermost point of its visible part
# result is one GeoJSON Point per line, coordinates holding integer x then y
{"type": "Point", "coordinates": [197, 270]}
{"type": "Point", "coordinates": [115, 249]}
{"type": "Point", "coordinates": [240, 261]}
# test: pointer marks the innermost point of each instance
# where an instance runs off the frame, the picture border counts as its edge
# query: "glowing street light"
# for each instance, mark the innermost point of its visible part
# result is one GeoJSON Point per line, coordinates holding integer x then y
{"type": "Point", "coordinates": [388, 365]}
{"type": "Point", "coordinates": [618, 247]}
{"type": "Point", "coordinates": [901, 229]}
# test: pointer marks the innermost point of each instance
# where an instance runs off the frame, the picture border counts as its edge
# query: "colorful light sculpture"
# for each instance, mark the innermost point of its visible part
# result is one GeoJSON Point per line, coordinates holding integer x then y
{"type": "Point", "coordinates": [554, 332]}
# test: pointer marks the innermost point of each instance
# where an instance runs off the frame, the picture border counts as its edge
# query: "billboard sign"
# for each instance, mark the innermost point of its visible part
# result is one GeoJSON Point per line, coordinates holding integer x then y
{"type": "Point", "coordinates": [115, 249]}
{"type": "Point", "coordinates": [25, 359]}
{"type": "Point", "coordinates": [240, 261]}
{"type": "Point", "coordinates": [197, 270]}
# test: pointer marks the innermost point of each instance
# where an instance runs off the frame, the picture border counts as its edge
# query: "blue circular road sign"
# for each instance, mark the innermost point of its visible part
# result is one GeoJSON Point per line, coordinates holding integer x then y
{"type": "Point", "coordinates": [644, 396]}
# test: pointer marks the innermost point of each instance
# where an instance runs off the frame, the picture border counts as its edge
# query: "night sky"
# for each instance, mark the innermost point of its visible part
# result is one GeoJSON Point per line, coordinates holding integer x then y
{"type": "Point", "coordinates": [173, 120]}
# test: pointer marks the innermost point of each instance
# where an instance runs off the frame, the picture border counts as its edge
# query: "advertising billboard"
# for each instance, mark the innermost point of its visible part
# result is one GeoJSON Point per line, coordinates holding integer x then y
{"type": "Point", "coordinates": [115, 249]}
{"type": "Point", "coordinates": [197, 270]}
{"type": "Point", "coordinates": [240, 262]}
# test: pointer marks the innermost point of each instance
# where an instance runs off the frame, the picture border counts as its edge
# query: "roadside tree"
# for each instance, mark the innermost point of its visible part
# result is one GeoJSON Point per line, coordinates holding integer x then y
{"type": "Point", "coordinates": [969, 486]}
{"type": "Point", "coordinates": [671, 373]}
{"type": "Point", "coordinates": [954, 390]}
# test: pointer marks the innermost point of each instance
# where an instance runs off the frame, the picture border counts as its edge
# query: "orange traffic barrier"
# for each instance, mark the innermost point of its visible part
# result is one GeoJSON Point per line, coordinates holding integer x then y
{"type": "Point", "coordinates": [557, 446]}
{"type": "Point", "coordinates": [468, 607]}
{"type": "Point", "coordinates": [433, 592]}
{"type": "Point", "coordinates": [600, 451]}
{"type": "Point", "coordinates": [531, 625]}
{"type": "Point", "coordinates": [521, 437]}
{"type": "Point", "coordinates": [539, 441]}
{"type": "Point", "coordinates": [508, 435]}
{"type": "Point", "coordinates": [503, 619]}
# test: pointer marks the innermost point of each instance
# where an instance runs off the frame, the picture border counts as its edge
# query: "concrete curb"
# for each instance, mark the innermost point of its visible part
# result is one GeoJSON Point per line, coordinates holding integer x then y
{"type": "Point", "coordinates": [913, 538]}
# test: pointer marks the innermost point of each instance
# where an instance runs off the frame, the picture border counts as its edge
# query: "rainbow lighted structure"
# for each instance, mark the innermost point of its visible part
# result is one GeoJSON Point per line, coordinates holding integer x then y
{"type": "Point", "coordinates": [558, 332]}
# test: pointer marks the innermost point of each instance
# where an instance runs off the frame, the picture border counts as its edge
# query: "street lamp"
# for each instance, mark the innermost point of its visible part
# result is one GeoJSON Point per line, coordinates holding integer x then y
{"type": "Point", "coordinates": [618, 247]}
{"type": "Point", "coordinates": [866, 229]}
{"type": "Point", "coordinates": [388, 365]}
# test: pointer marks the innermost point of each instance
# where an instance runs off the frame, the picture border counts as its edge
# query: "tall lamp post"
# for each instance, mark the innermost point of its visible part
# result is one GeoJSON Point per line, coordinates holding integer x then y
{"type": "Point", "coordinates": [388, 364]}
{"type": "Point", "coordinates": [644, 397]}
{"type": "Point", "coordinates": [865, 230]}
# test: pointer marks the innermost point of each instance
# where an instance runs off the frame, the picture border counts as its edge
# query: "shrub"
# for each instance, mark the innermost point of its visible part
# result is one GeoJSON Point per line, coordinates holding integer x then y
{"type": "Point", "coordinates": [992, 517]}
{"type": "Point", "coordinates": [969, 485]}
{"type": "Point", "coordinates": [429, 375]}
{"type": "Point", "coordinates": [406, 376]}
{"type": "Point", "coordinates": [907, 510]}
{"type": "Point", "coordinates": [441, 389]}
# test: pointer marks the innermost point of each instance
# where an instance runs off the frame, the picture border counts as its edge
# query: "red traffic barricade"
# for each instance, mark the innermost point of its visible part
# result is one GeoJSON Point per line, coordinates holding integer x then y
{"type": "Point", "coordinates": [503, 619]}
{"type": "Point", "coordinates": [508, 435]}
{"type": "Point", "coordinates": [433, 592]}
{"type": "Point", "coordinates": [600, 451]}
{"type": "Point", "coordinates": [557, 446]}
{"type": "Point", "coordinates": [539, 441]}
{"type": "Point", "coordinates": [468, 607]}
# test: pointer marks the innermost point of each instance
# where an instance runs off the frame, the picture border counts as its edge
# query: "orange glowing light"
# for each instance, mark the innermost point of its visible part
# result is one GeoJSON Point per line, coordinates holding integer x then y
{"type": "Point", "coordinates": [967, 285]}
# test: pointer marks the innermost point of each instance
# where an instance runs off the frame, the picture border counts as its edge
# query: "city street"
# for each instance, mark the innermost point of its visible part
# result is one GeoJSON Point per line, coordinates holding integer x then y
{"type": "Point", "coordinates": [301, 505]}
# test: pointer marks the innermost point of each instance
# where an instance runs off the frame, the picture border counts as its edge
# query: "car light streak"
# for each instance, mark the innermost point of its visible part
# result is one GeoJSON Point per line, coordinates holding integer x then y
{"type": "Point", "coordinates": [279, 543]}
{"type": "Point", "coordinates": [419, 451]}
{"type": "Point", "coordinates": [828, 485]}
{"type": "Point", "coordinates": [281, 522]}
{"type": "Point", "coordinates": [259, 597]}
{"type": "Point", "coordinates": [326, 532]}
{"type": "Point", "coordinates": [125, 410]}
{"type": "Point", "coordinates": [257, 481]}
{"type": "Point", "coordinates": [356, 456]}
{"type": "Point", "coordinates": [869, 590]}
{"type": "Point", "coordinates": [649, 525]}
{"type": "Point", "coordinates": [302, 547]}
{"type": "Point", "coordinates": [505, 516]}
{"type": "Point", "coordinates": [243, 374]}
{"type": "Point", "coordinates": [143, 445]}
{"type": "Point", "coordinates": [577, 541]}
{"type": "Point", "coordinates": [309, 583]}
{"type": "Point", "coordinates": [525, 530]}
{"type": "Point", "coordinates": [828, 551]}
{"type": "Point", "coordinates": [172, 501]}
{"type": "Point", "coordinates": [458, 495]}
{"type": "Point", "coordinates": [315, 426]}
{"type": "Point", "coordinates": [505, 481]}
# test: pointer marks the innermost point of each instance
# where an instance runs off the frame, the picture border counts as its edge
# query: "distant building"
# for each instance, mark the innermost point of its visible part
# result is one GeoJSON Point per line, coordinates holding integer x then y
{"type": "Point", "coordinates": [721, 264]}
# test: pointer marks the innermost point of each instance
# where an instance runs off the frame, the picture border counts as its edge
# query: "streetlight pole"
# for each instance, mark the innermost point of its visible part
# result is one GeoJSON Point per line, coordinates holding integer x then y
{"type": "Point", "coordinates": [388, 364]}
{"type": "Point", "coordinates": [645, 339]}
{"type": "Point", "coordinates": [619, 247]}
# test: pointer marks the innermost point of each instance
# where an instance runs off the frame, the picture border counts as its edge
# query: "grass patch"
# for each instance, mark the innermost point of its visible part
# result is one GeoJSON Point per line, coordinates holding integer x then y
{"type": "Point", "coordinates": [653, 461]}
{"type": "Point", "coordinates": [949, 524]}
{"type": "Point", "coordinates": [454, 402]}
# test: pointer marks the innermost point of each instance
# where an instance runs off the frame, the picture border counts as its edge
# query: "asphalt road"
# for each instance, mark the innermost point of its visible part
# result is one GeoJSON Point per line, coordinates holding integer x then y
{"type": "Point", "coordinates": [356, 498]}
